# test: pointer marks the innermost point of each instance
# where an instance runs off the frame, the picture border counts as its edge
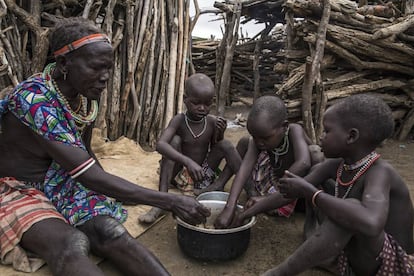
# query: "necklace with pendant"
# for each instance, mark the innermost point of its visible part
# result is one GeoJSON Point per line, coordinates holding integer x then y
{"type": "Point", "coordinates": [368, 161]}
{"type": "Point", "coordinates": [187, 120]}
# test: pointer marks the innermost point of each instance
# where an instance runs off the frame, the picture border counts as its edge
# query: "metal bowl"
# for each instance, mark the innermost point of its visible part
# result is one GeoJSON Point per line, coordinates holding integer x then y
{"type": "Point", "coordinates": [214, 195]}
{"type": "Point", "coordinates": [213, 244]}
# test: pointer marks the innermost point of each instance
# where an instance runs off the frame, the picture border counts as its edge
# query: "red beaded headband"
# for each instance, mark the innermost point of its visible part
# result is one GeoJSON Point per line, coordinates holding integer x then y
{"type": "Point", "coordinates": [81, 42]}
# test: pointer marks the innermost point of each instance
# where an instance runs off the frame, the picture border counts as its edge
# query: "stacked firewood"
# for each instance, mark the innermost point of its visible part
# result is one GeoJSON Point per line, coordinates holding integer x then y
{"type": "Point", "coordinates": [336, 49]}
{"type": "Point", "coordinates": [242, 75]}
{"type": "Point", "coordinates": [150, 41]}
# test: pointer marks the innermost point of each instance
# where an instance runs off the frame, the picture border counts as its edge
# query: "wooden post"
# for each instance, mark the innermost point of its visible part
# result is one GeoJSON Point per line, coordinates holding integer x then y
{"type": "Point", "coordinates": [312, 70]}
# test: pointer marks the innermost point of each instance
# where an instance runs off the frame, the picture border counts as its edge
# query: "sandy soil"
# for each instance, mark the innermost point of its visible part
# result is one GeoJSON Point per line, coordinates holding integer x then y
{"type": "Point", "coordinates": [272, 239]}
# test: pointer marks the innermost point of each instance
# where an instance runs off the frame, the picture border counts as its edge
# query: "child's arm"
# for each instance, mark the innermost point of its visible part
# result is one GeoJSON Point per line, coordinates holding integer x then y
{"type": "Point", "coordinates": [225, 218]}
{"type": "Point", "coordinates": [367, 215]}
{"type": "Point", "coordinates": [302, 162]}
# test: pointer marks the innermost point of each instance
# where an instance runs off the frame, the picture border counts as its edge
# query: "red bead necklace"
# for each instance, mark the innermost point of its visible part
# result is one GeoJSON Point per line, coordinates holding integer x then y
{"type": "Point", "coordinates": [371, 158]}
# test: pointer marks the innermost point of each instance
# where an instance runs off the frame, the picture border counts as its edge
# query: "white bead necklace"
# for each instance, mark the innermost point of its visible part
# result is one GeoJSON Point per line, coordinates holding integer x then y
{"type": "Point", "coordinates": [186, 119]}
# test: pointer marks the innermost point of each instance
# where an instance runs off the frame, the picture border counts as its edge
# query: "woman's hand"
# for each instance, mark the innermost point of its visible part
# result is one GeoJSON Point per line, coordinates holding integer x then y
{"type": "Point", "coordinates": [189, 210]}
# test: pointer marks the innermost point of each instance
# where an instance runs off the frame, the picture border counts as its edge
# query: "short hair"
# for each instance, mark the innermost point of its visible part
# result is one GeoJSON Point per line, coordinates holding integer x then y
{"type": "Point", "coordinates": [367, 113]}
{"type": "Point", "coordinates": [71, 29]}
{"type": "Point", "coordinates": [198, 81]}
{"type": "Point", "coordinates": [271, 106]}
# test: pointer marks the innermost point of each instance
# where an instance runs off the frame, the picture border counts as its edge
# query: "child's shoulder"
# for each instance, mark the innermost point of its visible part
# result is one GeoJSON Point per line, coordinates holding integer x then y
{"type": "Point", "coordinates": [295, 126]}
{"type": "Point", "coordinates": [296, 131]}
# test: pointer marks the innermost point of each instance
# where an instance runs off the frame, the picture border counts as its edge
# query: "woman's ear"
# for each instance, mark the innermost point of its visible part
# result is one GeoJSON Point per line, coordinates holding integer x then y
{"type": "Point", "coordinates": [353, 135]}
{"type": "Point", "coordinates": [61, 66]}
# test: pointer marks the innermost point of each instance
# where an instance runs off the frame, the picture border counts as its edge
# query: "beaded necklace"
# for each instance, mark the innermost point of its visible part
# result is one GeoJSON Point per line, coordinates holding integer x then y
{"type": "Point", "coordinates": [358, 164]}
{"type": "Point", "coordinates": [81, 116]}
{"type": "Point", "coordinates": [368, 161]}
{"type": "Point", "coordinates": [187, 120]}
{"type": "Point", "coordinates": [281, 150]}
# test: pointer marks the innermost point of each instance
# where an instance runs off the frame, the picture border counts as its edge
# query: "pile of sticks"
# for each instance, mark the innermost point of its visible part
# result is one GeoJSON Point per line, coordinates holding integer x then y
{"type": "Point", "coordinates": [337, 49]}
{"type": "Point", "coordinates": [242, 75]}
{"type": "Point", "coordinates": [151, 46]}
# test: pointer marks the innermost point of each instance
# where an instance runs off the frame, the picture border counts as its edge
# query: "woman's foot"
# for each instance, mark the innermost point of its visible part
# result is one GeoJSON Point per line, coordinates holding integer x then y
{"type": "Point", "coordinates": [151, 216]}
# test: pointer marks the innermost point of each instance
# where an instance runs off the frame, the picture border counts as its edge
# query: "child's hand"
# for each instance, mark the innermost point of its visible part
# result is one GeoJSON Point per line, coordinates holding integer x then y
{"type": "Point", "coordinates": [196, 171]}
{"type": "Point", "coordinates": [252, 201]}
{"type": "Point", "coordinates": [221, 125]}
{"type": "Point", "coordinates": [292, 186]}
{"type": "Point", "coordinates": [224, 219]}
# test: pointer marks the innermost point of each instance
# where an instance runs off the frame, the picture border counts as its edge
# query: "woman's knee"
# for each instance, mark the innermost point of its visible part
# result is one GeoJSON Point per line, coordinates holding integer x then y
{"type": "Point", "coordinates": [105, 233]}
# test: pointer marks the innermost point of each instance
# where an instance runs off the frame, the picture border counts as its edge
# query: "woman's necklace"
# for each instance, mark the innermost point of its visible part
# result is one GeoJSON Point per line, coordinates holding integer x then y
{"type": "Point", "coordinates": [281, 150]}
{"type": "Point", "coordinates": [81, 116]}
{"type": "Point", "coordinates": [363, 167]}
{"type": "Point", "coordinates": [187, 120]}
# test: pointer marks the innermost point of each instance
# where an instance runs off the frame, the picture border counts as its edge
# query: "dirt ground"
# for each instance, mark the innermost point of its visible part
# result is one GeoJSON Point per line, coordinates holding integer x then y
{"type": "Point", "coordinates": [272, 239]}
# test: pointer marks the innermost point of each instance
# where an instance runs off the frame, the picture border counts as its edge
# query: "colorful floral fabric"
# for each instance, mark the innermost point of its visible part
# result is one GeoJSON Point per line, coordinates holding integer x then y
{"type": "Point", "coordinates": [38, 107]}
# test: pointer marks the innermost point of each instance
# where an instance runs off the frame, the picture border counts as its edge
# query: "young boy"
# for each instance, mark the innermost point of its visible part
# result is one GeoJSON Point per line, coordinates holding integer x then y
{"type": "Point", "coordinates": [369, 218]}
{"type": "Point", "coordinates": [274, 147]}
{"type": "Point", "coordinates": [192, 146]}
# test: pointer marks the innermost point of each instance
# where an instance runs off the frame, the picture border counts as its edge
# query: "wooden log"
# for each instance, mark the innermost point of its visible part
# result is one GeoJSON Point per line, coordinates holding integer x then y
{"type": "Point", "coordinates": [358, 63]}
{"type": "Point", "coordinates": [406, 23]}
{"type": "Point", "coordinates": [379, 85]}
{"type": "Point", "coordinates": [312, 70]}
{"type": "Point", "coordinates": [407, 125]}
{"type": "Point", "coordinates": [169, 109]}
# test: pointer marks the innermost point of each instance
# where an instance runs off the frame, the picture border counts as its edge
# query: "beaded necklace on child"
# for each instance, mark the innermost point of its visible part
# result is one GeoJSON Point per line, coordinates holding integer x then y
{"type": "Point", "coordinates": [81, 116]}
{"type": "Point", "coordinates": [363, 165]}
{"type": "Point", "coordinates": [281, 150]}
{"type": "Point", "coordinates": [187, 120]}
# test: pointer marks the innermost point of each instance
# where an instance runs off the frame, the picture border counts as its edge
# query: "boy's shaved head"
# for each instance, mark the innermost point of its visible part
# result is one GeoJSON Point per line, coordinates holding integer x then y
{"type": "Point", "coordinates": [198, 82]}
{"type": "Point", "coordinates": [271, 106]}
{"type": "Point", "coordinates": [367, 113]}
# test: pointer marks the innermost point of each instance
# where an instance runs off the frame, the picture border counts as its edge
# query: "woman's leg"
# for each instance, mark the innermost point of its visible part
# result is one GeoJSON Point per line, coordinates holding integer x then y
{"type": "Point", "coordinates": [64, 248]}
{"type": "Point", "coordinates": [109, 239]}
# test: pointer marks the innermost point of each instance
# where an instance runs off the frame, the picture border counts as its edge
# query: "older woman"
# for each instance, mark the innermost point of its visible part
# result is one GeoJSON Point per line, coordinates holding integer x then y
{"type": "Point", "coordinates": [49, 177]}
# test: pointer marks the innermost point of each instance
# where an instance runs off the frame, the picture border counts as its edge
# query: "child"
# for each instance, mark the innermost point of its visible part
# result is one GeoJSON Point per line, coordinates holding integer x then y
{"type": "Point", "coordinates": [274, 147]}
{"type": "Point", "coordinates": [192, 146]}
{"type": "Point", "coordinates": [369, 218]}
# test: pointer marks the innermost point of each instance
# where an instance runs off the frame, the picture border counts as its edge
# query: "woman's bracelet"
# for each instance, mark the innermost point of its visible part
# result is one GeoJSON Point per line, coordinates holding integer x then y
{"type": "Point", "coordinates": [314, 197]}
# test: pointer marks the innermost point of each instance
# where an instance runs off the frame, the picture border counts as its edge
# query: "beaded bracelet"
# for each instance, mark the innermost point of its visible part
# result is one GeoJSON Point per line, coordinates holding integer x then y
{"type": "Point", "coordinates": [314, 197]}
{"type": "Point", "coordinates": [78, 168]}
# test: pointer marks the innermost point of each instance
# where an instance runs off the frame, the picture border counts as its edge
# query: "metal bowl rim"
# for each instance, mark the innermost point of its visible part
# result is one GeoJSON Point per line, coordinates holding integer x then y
{"type": "Point", "coordinates": [217, 231]}
{"type": "Point", "coordinates": [212, 193]}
